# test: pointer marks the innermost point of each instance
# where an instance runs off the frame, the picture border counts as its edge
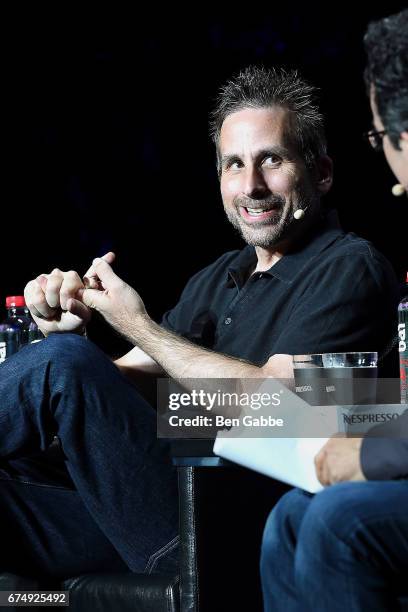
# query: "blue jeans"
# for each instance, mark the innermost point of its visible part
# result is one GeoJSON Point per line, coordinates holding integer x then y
{"type": "Point", "coordinates": [111, 504]}
{"type": "Point", "coordinates": [344, 549]}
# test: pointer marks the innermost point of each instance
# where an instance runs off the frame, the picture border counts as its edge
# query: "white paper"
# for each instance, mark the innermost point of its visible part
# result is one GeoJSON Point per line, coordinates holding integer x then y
{"type": "Point", "coordinates": [290, 460]}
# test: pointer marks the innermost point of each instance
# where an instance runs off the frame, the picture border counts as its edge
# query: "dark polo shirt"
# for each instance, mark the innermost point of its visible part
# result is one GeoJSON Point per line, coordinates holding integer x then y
{"type": "Point", "coordinates": [333, 292]}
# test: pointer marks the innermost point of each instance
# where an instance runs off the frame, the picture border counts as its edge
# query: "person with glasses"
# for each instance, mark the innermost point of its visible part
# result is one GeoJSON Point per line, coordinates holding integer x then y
{"type": "Point", "coordinates": [346, 548]}
{"type": "Point", "coordinates": [386, 78]}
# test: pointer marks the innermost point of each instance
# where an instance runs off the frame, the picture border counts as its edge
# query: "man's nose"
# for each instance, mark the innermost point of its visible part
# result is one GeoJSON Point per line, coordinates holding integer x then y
{"type": "Point", "coordinates": [255, 186]}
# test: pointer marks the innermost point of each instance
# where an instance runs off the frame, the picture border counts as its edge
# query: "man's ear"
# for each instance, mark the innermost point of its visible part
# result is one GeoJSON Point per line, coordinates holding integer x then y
{"type": "Point", "coordinates": [324, 174]}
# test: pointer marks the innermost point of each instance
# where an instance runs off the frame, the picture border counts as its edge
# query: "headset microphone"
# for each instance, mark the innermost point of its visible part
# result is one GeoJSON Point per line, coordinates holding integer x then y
{"type": "Point", "coordinates": [299, 213]}
{"type": "Point", "coordinates": [398, 190]}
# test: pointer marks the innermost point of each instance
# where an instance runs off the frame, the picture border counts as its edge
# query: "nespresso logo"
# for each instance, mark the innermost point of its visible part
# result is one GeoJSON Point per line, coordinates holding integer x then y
{"type": "Point", "coordinates": [369, 418]}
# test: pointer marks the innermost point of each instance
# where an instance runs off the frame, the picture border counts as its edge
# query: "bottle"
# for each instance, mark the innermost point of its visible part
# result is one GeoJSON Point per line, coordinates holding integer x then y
{"type": "Point", "coordinates": [402, 345]}
{"type": "Point", "coordinates": [11, 327]}
{"type": "Point", "coordinates": [18, 328]}
{"type": "Point", "coordinates": [34, 334]}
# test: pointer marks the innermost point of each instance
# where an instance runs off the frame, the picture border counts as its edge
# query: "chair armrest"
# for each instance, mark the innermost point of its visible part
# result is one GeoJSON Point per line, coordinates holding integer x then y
{"type": "Point", "coordinates": [222, 515]}
{"type": "Point", "coordinates": [189, 591]}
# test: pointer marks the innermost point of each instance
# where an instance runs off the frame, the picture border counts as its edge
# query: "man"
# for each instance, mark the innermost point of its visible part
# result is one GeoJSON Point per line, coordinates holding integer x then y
{"type": "Point", "coordinates": [244, 316]}
{"type": "Point", "coordinates": [347, 547]}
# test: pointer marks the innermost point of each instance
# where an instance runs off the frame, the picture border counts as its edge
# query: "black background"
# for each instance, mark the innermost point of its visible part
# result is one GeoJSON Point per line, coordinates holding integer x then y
{"type": "Point", "coordinates": [105, 136]}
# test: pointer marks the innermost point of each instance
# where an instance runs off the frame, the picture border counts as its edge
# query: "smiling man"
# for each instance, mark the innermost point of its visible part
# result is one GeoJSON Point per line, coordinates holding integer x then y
{"type": "Point", "coordinates": [300, 285]}
{"type": "Point", "coordinates": [265, 179]}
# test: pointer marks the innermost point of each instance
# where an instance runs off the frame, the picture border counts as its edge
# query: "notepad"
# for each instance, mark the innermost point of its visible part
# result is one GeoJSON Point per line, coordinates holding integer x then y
{"type": "Point", "coordinates": [290, 460]}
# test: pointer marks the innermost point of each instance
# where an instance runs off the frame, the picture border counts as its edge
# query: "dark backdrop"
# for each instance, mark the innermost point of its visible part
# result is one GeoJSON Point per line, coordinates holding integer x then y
{"type": "Point", "coordinates": [106, 144]}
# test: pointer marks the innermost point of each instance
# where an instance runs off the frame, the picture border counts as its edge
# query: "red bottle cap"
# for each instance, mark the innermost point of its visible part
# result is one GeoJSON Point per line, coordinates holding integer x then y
{"type": "Point", "coordinates": [15, 301]}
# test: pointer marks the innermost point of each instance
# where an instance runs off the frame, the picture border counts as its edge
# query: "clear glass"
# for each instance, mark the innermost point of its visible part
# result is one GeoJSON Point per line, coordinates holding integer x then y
{"type": "Point", "coordinates": [336, 378]}
{"type": "Point", "coordinates": [336, 360]}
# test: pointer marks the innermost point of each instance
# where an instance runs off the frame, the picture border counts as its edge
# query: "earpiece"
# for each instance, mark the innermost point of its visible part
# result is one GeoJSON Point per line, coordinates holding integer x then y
{"type": "Point", "coordinates": [398, 190]}
{"type": "Point", "coordinates": [299, 214]}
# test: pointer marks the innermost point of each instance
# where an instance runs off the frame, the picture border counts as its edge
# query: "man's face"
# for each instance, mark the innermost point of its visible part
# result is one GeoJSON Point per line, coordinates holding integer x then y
{"type": "Point", "coordinates": [396, 158]}
{"type": "Point", "coordinates": [263, 178]}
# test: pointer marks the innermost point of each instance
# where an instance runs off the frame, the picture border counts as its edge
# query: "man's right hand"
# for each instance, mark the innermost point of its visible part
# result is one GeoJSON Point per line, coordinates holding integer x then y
{"type": "Point", "coordinates": [50, 297]}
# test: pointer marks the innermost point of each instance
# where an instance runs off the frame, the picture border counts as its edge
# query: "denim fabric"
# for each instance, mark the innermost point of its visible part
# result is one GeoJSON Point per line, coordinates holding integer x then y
{"type": "Point", "coordinates": [345, 548]}
{"type": "Point", "coordinates": [112, 503]}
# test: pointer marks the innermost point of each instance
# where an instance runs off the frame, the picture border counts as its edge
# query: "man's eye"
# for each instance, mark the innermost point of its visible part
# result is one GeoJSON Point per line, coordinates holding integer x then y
{"type": "Point", "coordinates": [235, 165]}
{"type": "Point", "coordinates": [272, 160]}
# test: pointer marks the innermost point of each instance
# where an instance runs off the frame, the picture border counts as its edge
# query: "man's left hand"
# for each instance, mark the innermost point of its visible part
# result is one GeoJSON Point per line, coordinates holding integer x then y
{"type": "Point", "coordinates": [339, 460]}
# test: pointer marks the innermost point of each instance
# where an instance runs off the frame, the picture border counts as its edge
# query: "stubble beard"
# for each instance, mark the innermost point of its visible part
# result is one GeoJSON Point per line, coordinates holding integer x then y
{"type": "Point", "coordinates": [269, 233]}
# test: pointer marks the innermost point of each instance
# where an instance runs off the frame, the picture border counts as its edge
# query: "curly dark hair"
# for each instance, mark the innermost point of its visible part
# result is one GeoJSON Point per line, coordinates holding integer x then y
{"type": "Point", "coordinates": [386, 44]}
{"type": "Point", "coordinates": [257, 87]}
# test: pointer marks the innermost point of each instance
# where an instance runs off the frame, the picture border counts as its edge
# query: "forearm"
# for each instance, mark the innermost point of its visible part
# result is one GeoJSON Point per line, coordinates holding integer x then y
{"type": "Point", "coordinates": [140, 369]}
{"type": "Point", "coordinates": [138, 361]}
{"type": "Point", "coordinates": [183, 359]}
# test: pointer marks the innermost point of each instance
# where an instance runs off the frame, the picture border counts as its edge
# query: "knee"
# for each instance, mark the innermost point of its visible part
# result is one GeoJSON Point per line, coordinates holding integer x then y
{"type": "Point", "coordinates": [281, 526]}
{"type": "Point", "coordinates": [330, 538]}
{"type": "Point", "coordinates": [69, 352]}
{"type": "Point", "coordinates": [62, 344]}
{"type": "Point", "coordinates": [64, 340]}
{"type": "Point", "coordinates": [331, 521]}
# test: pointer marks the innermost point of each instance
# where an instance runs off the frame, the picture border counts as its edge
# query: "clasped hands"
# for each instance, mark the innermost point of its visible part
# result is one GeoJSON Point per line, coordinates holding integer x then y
{"type": "Point", "coordinates": [63, 302]}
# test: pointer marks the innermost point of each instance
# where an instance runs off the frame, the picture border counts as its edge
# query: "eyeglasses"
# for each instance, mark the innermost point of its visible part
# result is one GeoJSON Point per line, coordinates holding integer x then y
{"type": "Point", "coordinates": [375, 138]}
